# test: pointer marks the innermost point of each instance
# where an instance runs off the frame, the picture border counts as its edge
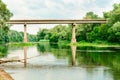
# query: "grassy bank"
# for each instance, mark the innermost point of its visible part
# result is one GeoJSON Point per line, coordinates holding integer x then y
{"type": "Point", "coordinates": [22, 43]}
{"type": "Point", "coordinates": [67, 43]}
{"type": "Point", "coordinates": [84, 43]}
{"type": "Point", "coordinates": [64, 43]}
{"type": "Point", "coordinates": [96, 44]}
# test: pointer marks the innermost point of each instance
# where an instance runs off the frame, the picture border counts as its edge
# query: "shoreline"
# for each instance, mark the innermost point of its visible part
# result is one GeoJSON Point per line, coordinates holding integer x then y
{"type": "Point", "coordinates": [4, 75]}
{"type": "Point", "coordinates": [94, 44]}
{"type": "Point", "coordinates": [67, 43]}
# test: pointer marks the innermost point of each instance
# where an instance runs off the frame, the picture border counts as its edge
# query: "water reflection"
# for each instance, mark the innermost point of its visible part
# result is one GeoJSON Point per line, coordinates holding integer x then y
{"type": "Point", "coordinates": [73, 55]}
{"type": "Point", "coordinates": [3, 50]}
{"type": "Point", "coordinates": [25, 56]}
{"type": "Point", "coordinates": [45, 60]}
{"type": "Point", "coordinates": [86, 56]}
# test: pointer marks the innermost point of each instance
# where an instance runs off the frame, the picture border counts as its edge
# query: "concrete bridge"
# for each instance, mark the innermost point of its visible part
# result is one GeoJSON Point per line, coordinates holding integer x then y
{"type": "Point", "coordinates": [73, 22]}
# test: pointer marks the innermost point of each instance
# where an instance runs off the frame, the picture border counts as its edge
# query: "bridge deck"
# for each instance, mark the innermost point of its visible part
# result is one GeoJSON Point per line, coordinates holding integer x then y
{"type": "Point", "coordinates": [57, 21]}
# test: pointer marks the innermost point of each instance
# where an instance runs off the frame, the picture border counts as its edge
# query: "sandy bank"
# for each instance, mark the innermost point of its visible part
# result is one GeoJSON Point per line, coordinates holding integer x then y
{"type": "Point", "coordinates": [4, 75]}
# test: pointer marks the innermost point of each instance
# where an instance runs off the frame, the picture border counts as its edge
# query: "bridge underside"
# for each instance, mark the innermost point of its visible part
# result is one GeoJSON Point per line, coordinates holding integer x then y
{"type": "Point", "coordinates": [56, 21]}
{"type": "Point", "coordinates": [73, 22]}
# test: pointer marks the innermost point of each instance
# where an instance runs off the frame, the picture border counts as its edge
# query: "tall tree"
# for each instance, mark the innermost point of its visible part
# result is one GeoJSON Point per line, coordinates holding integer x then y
{"type": "Point", "coordinates": [91, 15]}
{"type": "Point", "coordinates": [84, 29]}
{"type": "Point", "coordinates": [5, 15]}
{"type": "Point", "coordinates": [113, 16]}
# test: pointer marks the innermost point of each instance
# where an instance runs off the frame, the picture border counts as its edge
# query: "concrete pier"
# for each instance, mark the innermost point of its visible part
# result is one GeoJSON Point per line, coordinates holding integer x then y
{"type": "Point", "coordinates": [25, 33]}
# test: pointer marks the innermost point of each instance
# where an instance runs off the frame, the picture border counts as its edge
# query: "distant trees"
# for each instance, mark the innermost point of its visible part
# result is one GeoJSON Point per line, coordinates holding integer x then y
{"type": "Point", "coordinates": [99, 33]}
{"type": "Point", "coordinates": [109, 32]}
{"type": "Point", "coordinates": [114, 33]}
{"type": "Point", "coordinates": [15, 36]}
{"type": "Point", "coordinates": [32, 38]}
{"type": "Point", "coordinates": [83, 30]}
{"type": "Point", "coordinates": [59, 32]}
{"type": "Point", "coordinates": [43, 34]}
{"type": "Point", "coordinates": [113, 17]}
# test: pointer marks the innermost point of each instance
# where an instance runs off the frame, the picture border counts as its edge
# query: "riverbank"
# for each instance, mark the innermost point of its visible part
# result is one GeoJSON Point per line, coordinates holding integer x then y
{"type": "Point", "coordinates": [4, 75]}
{"type": "Point", "coordinates": [21, 44]}
{"type": "Point", "coordinates": [67, 43]}
{"type": "Point", "coordinates": [96, 44]}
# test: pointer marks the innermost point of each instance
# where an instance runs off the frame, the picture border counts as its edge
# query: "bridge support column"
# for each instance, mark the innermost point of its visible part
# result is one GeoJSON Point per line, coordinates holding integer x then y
{"type": "Point", "coordinates": [25, 33]}
{"type": "Point", "coordinates": [73, 40]}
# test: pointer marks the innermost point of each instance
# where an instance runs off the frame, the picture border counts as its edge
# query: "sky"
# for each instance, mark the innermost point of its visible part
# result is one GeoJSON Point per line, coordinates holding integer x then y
{"type": "Point", "coordinates": [54, 9]}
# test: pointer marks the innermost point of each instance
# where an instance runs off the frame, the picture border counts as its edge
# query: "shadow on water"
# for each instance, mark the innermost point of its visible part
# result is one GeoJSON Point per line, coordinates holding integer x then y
{"type": "Point", "coordinates": [25, 56]}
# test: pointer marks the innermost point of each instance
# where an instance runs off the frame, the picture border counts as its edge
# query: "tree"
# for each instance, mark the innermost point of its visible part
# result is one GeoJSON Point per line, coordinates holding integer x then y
{"type": "Point", "coordinates": [99, 33]}
{"type": "Point", "coordinates": [5, 15]}
{"type": "Point", "coordinates": [84, 29]}
{"type": "Point", "coordinates": [42, 34]}
{"type": "Point", "coordinates": [114, 33]}
{"type": "Point", "coordinates": [113, 18]}
{"type": "Point", "coordinates": [114, 15]}
{"type": "Point", "coordinates": [90, 15]}
{"type": "Point", "coordinates": [57, 33]}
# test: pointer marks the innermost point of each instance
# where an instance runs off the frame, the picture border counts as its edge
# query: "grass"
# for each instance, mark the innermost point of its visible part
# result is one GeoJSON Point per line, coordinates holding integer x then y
{"type": "Point", "coordinates": [67, 43]}
{"type": "Point", "coordinates": [44, 40]}
{"type": "Point", "coordinates": [84, 43]}
{"type": "Point", "coordinates": [22, 44]}
{"type": "Point", "coordinates": [96, 44]}
{"type": "Point", "coordinates": [27, 43]}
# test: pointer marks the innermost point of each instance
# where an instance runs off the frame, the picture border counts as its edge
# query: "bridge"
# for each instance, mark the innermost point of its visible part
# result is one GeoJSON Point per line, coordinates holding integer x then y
{"type": "Point", "coordinates": [73, 22]}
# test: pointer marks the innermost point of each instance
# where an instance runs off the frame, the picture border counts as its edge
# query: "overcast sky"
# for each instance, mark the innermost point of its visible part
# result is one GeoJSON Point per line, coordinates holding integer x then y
{"type": "Point", "coordinates": [55, 9]}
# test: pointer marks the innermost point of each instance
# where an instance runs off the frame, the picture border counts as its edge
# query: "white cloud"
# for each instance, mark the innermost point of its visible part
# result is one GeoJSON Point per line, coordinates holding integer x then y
{"type": "Point", "coordinates": [57, 9]}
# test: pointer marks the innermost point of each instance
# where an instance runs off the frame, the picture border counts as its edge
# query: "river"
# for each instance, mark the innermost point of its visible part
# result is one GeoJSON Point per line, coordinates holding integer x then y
{"type": "Point", "coordinates": [55, 62]}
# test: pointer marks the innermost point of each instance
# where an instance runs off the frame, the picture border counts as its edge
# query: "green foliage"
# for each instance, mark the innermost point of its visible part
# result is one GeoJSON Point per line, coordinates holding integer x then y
{"type": "Point", "coordinates": [7, 35]}
{"type": "Point", "coordinates": [114, 15]}
{"type": "Point", "coordinates": [84, 31]}
{"type": "Point", "coordinates": [5, 15]}
{"type": "Point", "coordinates": [91, 15]}
{"type": "Point", "coordinates": [21, 44]}
{"type": "Point", "coordinates": [32, 38]}
{"type": "Point", "coordinates": [54, 38]}
{"type": "Point", "coordinates": [59, 32]}
{"type": "Point", "coordinates": [3, 36]}
{"type": "Point", "coordinates": [98, 33]}
{"type": "Point", "coordinates": [114, 33]}
{"type": "Point", "coordinates": [43, 34]}
{"type": "Point", "coordinates": [15, 36]}
{"type": "Point", "coordinates": [3, 50]}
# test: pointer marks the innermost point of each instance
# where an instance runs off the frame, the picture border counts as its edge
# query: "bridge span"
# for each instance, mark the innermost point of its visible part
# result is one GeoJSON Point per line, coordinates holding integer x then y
{"type": "Point", "coordinates": [56, 21]}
